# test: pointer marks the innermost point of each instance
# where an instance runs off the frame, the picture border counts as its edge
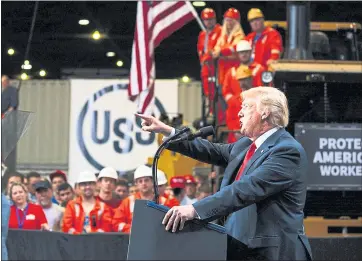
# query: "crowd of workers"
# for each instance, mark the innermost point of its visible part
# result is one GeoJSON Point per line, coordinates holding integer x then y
{"type": "Point", "coordinates": [104, 202]}
{"type": "Point", "coordinates": [233, 61]}
{"type": "Point", "coordinates": [98, 202]}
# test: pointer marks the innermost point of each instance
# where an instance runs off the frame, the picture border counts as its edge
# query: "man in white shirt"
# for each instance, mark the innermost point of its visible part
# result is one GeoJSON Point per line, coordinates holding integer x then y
{"type": "Point", "coordinates": [44, 194]}
{"type": "Point", "coordinates": [264, 185]}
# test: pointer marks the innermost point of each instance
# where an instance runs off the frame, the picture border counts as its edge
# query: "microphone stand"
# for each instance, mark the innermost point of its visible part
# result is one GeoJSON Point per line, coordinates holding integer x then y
{"type": "Point", "coordinates": [156, 158]}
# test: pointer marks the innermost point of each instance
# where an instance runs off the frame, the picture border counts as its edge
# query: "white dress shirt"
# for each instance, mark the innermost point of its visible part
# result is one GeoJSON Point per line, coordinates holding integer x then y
{"type": "Point", "coordinates": [259, 141]}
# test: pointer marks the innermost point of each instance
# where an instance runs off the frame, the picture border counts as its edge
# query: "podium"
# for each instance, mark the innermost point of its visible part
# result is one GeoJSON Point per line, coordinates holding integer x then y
{"type": "Point", "coordinates": [150, 241]}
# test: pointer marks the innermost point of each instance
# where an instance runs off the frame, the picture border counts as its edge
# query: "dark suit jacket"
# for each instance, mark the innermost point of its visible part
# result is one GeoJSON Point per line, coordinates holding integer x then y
{"type": "Point", "coordinates": [266, 204]}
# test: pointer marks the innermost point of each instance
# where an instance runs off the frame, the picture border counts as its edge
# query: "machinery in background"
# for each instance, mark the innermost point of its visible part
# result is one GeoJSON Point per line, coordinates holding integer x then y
{"type": "Point", "coordinates": [329, 42]}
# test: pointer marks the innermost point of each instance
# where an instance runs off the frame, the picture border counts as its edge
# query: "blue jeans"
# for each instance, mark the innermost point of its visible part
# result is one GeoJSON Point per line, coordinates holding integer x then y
{"type": "Point", "coordinates": [5, 213]}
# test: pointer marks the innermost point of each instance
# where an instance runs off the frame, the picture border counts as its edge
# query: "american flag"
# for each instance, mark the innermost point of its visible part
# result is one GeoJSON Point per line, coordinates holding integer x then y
{"type": "Point", "coordinates": [155, 21]}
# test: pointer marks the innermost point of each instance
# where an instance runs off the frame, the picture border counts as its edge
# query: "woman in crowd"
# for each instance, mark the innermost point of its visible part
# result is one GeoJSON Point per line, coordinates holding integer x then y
{"type": "Point", "coordinates": [23, 214]}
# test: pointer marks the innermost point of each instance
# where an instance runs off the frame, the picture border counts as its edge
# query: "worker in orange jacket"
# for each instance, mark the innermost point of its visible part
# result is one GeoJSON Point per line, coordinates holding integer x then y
{"type": "Point", "coordinates": [162, 183]}
{"type": "Point", "coordinates": [266, 42]}
{"type": "Point", "coordinates": [86, 214]}
{"type": "Point", "coordinates": [205, 44]}
{"type": "Point", "coordinates": [244, 50]}
{"type": "Point", "coordinates": [241, 80]}
{"type": "Point", "coordinates": [107, 179]}
{"type": "Point", "coordinates": [231, 34]}
{"type": "Point", "coordinates": [231, 88]}
{"type": "Point", "coordinates": [122, 220]}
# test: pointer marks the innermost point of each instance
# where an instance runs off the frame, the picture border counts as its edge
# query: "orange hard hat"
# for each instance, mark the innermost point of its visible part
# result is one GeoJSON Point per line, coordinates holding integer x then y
{"type": "Point", "coordinates": [208, 13]}
{"type": "Point", "coordinates": [243, 72]}
{"type": "Point", "coordinates": [232, 13]}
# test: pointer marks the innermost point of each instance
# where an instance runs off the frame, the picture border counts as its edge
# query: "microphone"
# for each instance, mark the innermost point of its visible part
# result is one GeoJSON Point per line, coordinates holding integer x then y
{"type": "Point", "coordinates": [157, 156]}
{"type": "Point", "coordinates": [203, 133]}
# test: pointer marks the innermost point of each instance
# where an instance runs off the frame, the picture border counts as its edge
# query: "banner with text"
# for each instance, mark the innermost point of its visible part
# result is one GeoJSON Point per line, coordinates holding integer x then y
{"type": "Point", "coordinates": [104, 130]}
{"type": "Point", "coordinates": [334, 154]}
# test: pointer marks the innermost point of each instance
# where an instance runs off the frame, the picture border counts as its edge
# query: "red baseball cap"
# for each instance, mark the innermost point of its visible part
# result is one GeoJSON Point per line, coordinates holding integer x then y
{"type": "Point", "coordinates": [190, 179]}
{"type": "Point", "coordinates": [177, 182]}
{"type": "Point", "coordinates": [58, 173]}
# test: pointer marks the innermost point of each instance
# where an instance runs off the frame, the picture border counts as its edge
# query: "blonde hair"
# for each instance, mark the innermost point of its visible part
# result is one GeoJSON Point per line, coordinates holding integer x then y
{"type": "Point", "coordinates": [274, 101]}
{"type": "Point", "coordinates": [19, 185]}
{"type": "Point", "coordinates": [236, 30]}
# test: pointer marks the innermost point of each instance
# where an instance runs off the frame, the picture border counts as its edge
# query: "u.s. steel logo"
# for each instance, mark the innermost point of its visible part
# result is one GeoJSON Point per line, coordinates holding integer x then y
{"type": "Point", "coordinates": [109, 134]}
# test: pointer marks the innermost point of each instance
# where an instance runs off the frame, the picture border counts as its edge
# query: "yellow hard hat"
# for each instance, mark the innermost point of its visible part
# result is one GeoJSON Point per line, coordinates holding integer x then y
{"type": "Point", "coordinates": [255, 13]}
{"type": "Point", "coordinates": [243, 72]}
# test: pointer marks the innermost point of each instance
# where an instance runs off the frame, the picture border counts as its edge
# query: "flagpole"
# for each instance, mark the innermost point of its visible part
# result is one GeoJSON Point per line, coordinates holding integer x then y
{"type": "Point", "coordinates": [197, 17]}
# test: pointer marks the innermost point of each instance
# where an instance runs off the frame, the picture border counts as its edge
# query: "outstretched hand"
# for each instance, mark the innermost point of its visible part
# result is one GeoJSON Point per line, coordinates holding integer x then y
{"type": "Point", "coordinates": [151, 124]}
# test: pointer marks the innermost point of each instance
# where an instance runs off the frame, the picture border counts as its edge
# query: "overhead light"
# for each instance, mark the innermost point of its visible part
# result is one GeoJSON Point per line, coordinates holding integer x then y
{"type": "Point", "coordinates": [119, 63]}
{"type": "Point", "coordinates": [26, 65]}
{"type": "Point", "coordinates": [96, 35]}
{"type": "Point", "coordinates": [42, 73]}
{"type": "Point", "coordinates": [185, 79]}
{"type": "Point", "coordinates": [110, 54]}
{"type": "Point", "coordinates": [199, 3]}
{"type": "Point", "coordinates": [83, 22]}
{"type": "Point", "coordinates": [24, 76]}
{"type": "Point", "coordinates": [11, 51]}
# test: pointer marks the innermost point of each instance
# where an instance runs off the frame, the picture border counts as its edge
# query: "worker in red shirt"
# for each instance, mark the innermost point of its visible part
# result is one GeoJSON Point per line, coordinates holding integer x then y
{"type": "Point", "coordinates": [162, 183]}
{"type": "Point", "coordinates": [122, 220]}
{"type": "Point", "coordinates": [241, 82]}
{"type": "Point", "coordinates": [231, 34]}
{"type": "Point", "coordinates": [107, 179]}
{"type": "Point", "coordinates": [266, 42]}
{"type": "Point", "coordinates": [86, 214]}
{"type": "Point", "coordinates": [205, 44]}
{"type": "Point", "coordinates": [23, 214]}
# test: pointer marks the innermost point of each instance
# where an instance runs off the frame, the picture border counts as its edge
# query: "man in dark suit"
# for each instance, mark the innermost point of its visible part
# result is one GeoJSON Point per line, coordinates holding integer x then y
{"type": "Point", "coordinates": [264, 186]}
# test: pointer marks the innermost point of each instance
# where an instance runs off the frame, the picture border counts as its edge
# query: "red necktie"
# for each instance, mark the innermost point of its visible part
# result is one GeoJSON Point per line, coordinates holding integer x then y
{"type": "Point", "coordinates": [248, 156]}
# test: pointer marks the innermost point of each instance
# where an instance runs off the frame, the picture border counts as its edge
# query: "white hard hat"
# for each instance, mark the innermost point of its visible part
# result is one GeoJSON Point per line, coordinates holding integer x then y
{"type": "Point", "coordinates": [161, 177]}
{"type": "Point", "coordinates": [243, 45]}
{"type": "Point", "coordinates": [142, 171]}
{"type": "Point", "coordinates": [86, 176]}
{"type": "Point", "coordinates": [108, 172]}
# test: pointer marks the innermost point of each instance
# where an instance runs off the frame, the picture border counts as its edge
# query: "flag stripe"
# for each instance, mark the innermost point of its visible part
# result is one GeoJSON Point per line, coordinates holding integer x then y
{"type": "Point", "coordinates": [155, 21]}
{"type": "Point", "coordinates": [138, 63]}
{"type": "Point", "coordinates": [165, 15]}
{"type": "Point", "coordinates": [145, 48]}
{"type": "Point", "coordinates": [149, 98]}
{"type": "Point", "coordinates": [162, 7]}
{"type": "Point", "coordinates": [168, 30]}
{"type": "Point", "coordinates": [141, 41]}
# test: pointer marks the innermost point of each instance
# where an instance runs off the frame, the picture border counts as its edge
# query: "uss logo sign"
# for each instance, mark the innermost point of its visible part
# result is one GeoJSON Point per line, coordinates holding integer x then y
{"type": "Point", "coordinates": [104, 130]}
